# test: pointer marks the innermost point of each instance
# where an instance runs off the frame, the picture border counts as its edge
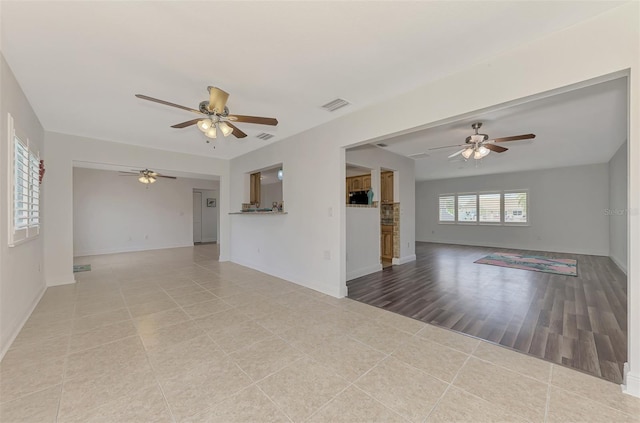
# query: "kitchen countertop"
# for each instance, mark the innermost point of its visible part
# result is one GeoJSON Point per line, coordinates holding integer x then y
{"type": "Point", "coordinates": [259, 212]}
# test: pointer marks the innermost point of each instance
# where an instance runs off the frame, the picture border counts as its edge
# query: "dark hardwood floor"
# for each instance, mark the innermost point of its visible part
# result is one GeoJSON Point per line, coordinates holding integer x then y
{"type": "Point", "coordinates": [579, 322]}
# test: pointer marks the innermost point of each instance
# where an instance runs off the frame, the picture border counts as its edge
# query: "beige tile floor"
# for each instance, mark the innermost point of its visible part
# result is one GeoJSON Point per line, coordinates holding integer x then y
{"type": "Point", "coordinates": [173, 335]}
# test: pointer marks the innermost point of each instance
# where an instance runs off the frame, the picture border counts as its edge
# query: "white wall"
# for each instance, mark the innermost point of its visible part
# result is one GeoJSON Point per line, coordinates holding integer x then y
{"type": "Point", "coordinates": [403, 191]}
{"type": "Point", "coordinates": [21, 280]}
{"type": "Point", "coordinates": [64, 149]}
{"type": "Point", "coordinates": [210, 215]}
{"type": "Point", "coordinates": [314, 160]}
{"type": "Point", "coordinates": [270, 193]}
{"type": "Point", "coordinates": [618, 207]}
{"type": "Point", "coordinates": [114, 213]}
{"type": "Point", "coordinates": [566, 211]}
{"type": "Point", "coordinates": [363, 241]}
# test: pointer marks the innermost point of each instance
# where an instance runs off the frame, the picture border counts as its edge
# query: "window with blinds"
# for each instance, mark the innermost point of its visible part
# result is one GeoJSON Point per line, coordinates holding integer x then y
{"type": "Point", "coordinates": [489, 208]}
{"type": "Point", "coordinates": [447, 208]}
{"type": "Point", "coordinates": [515, 207]}
{"type": "Point", "coordinates": [498, 208]}
{"type": "Point", "coordinates": [468, 208]}
{"type": "Point", "coordinates": [25, 201]}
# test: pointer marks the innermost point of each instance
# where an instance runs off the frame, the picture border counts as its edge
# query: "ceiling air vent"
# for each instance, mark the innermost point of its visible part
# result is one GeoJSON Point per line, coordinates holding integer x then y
{"type": "Point", "coordinates": [336, 104]}
{"type": "Point", "coordinates": [264, 136]}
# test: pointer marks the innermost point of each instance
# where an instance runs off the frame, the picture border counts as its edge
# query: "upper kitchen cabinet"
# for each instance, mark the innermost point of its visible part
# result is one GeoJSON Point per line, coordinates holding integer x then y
{"type": "Point", "coordinates": [386, 187]}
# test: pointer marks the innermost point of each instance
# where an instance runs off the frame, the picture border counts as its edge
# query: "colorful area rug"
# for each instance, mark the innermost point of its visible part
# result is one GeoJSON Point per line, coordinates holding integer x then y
{"type": "Point", "coordinates": [81, 268]}
{"type": "Point", "coordinates": [566, 267]}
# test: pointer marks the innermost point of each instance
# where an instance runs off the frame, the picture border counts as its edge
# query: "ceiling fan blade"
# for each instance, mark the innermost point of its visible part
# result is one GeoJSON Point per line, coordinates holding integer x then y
{"type": "Point", "coordinates": [185, 124]}
{"type": "Point", "coordinates": [236, 132]}
{"type": "Point", "coordinates": [253, 119]}
{"type": "Point", "coordinates": [514, 138]}
{"type": "Point", "coordinates": [456, 153]}
{"type": "Point", "coordinates": [449, 146]}
{"type": "Point", "coordinates": [495, 148]}
{"type": "Point", "coordinates": [217, 99]}
{"type": "Point", "coordinates": [128, 173]}
{"type": "Point", "coordinates": [164, 176]}
{"type": "Point", "coordinates": [166, 103]}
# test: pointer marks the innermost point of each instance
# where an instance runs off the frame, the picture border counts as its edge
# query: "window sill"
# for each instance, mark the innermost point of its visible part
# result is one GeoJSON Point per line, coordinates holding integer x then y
{"type": "Point", "coordinates": [23, 241]}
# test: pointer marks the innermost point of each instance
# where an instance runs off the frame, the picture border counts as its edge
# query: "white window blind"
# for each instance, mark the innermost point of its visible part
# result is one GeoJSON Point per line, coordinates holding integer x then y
{"type": "Point", "coordinates": [467, 208]}
{"type": "Point", "coordinates": [25, 188]}
{"type": "Point", "coordinates": [515, 207]}
{"type": "Point", "coordinates": [489, 208]}
{"type": "Point", "coordinates": [447, 208]}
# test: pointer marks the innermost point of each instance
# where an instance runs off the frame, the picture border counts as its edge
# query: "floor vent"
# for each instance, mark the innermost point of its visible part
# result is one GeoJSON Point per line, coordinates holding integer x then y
{"type": "Point", "coordinates": [264, 136]}
{"type": "Point", "coordinates": [336, 104]}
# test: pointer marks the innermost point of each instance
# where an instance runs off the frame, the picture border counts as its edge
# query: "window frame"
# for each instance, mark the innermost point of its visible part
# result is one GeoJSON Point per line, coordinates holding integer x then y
{"type": "Point", "coordinates": [466, 222]}
{"type": "Point", "coordinates": [501, 194]}
{"type": "Point", "coordinates": [455, 210]}
{"type": "Point", "coordinates": [17, 236]}
{"type": "Point", "coordinates": [517, 191]}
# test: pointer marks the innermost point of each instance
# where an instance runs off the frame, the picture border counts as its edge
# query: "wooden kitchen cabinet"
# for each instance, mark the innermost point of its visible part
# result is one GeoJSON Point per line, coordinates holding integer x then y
{"type": "Point", "coordinates": [386, 242]}
{"type": "Point", "coordinates": [356, 183]}
{"type": "Point", "coordinates": [254, 190]}
{"type": "Point", "coordinates": [366, 182]}
{"type": "Point", "coordinates": [386, 187]}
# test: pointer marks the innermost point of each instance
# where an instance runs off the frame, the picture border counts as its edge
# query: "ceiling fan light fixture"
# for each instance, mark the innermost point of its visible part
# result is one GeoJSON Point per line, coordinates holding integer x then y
{"type": "Point", "coordinates": [226, 129]}
{"type": "Point", "coordinates": [211, 132]}
{"type": "Point", "coordinates": [483, 151]}
{"type": "Point", "coordinates": [204, 124]}
{"type": "Point", "coordinates": [280, 174]}
{"type": "Point", "coordinates": [467, 153]}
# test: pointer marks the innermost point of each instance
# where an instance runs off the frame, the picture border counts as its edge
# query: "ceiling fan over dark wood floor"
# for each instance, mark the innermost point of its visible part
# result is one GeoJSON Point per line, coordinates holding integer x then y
{"type": "Point", "coordinates": [479, 145]}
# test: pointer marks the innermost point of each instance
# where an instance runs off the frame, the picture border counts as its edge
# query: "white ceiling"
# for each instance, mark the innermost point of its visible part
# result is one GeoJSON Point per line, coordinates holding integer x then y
{"type": "Point", "coordinates": [126, 168]}
{"type": "Point", "coordinates": [80, 63]}
{"type": "Point", "coordinates": [581, 126]}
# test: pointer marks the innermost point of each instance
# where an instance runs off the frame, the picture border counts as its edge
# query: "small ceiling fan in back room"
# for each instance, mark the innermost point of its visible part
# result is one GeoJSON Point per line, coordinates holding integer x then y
{"type": "Point", "coordinates": [479, 145]}
{"type": "Point", "coordinates": [215, 115]}
{"type": "Point", "coordinates": [146, 176]}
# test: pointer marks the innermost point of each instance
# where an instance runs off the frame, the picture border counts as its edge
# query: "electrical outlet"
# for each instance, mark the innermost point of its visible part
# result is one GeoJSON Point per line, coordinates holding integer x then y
{"type": "Point", "coordinates": [330, 212]}
{"type": "Point", "coordinates": [146, 237]}
{"type": "Point", "coordinates": [433, 232]}
{"type": "Point", "coordinates": [327, 255]}
{"type": "Point", "coordinates": [258, 250]}
{"type": "Point", "coordinates": [408, 245]}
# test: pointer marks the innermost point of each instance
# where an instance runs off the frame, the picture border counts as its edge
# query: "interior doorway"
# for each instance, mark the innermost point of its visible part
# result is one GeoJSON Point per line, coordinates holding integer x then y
{"type": "Point", "coordinates": [206, 220]}
{"type": "Point", "coordinates": [197, 217]}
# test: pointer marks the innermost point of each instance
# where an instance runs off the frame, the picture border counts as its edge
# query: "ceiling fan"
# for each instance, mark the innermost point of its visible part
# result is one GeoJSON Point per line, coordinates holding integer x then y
{"type": "Point", "coordinates": [146, 176]}
{"type": "Point", "coordinates": [216, 115]}
{"type": "Point", "coordinates": [479, 145]}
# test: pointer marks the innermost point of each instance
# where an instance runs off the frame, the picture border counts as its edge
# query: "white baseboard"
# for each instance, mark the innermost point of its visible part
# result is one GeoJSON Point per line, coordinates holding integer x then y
{"type": "Point", "coordinates": [403, 260]}
{"type": "Point", "coordinates": [131, 249]}
{"type": "Point", "coordinates": [363, 271]}
{"type": "Point", "coordinates": [631, 383]}
{"type": "Point", "coordinates": [619, 264]}
{"type": "Point", "coordinates": [65, 280]}
{"type": "Point", "coordinates": [16, 330]}
{"type": "Point", "coordinates": [585, 251]}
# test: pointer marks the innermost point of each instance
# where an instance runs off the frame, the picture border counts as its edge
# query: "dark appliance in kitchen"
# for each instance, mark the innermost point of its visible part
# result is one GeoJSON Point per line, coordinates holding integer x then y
{"type": "Point", "coordinates": [358, 197]}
